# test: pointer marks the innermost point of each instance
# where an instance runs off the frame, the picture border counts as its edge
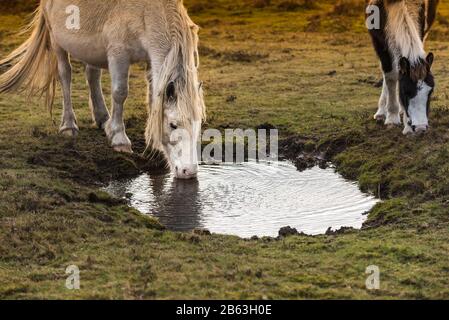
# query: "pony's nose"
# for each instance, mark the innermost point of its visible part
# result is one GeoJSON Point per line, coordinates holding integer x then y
{"type": "Point", "coordinates": [187, 172]}
{"type": "Point", "coordinates": [420, 129]}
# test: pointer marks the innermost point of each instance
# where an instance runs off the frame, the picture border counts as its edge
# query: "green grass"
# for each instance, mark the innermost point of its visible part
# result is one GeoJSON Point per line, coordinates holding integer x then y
{"type": "Point", "coordinates": [308, 72]}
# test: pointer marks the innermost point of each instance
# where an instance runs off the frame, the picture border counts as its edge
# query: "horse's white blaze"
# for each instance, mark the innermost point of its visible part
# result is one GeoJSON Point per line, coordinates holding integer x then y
{"type": "Point", "coordinates": [182, 151]}
{"type": "Point", "coordinates": [417, 109]}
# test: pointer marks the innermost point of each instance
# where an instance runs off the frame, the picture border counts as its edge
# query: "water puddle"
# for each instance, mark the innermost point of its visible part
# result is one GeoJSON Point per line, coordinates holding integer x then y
{"type": "Point", "coordinates": [250, 199]}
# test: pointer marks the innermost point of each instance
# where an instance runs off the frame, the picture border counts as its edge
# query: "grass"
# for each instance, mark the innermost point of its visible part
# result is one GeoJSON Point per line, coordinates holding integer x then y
{"type": "Point", "coordinates": [305, 69]}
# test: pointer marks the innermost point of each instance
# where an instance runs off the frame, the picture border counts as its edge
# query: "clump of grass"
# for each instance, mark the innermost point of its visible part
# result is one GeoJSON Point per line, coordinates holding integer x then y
{"type": "Point", "coordinates": [244, 56]}
{"type": "Point", "coordinates": [348, 8]}
{"type": "Point", "coordinates": [293, 5]}
{"type": "Point", "coordinates": [18, 6]}
{"type": "Point", "coordinates": [233, 55]}
{"type": "Point", "coordinates": [199, 7]}
{"type": "Point", "coordinates": [261, 3]}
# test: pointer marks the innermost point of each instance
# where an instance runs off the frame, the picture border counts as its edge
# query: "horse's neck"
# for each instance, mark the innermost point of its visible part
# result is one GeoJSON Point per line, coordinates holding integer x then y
{"type": "Point", "coordinates": [168, 42]}
{"type": "Point", "coordinates": [403, 29]}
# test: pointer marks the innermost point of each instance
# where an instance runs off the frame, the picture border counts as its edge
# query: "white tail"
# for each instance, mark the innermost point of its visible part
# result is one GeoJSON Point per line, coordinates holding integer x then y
{"type": "Point", "coordinates": [33, 66]}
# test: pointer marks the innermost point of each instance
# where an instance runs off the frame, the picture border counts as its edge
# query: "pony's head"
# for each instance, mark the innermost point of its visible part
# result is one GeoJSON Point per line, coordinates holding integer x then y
{"type": "Point", "coordinates": [416, 85]}
{"type": "Point", "coordinates": [177, 111]}
{"type": "Point", "coordinates": [181, 127]}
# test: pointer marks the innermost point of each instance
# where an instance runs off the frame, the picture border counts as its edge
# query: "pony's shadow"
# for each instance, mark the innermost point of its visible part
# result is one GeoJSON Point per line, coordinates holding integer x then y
{"type": "Point", "coordinates": [177, 203]}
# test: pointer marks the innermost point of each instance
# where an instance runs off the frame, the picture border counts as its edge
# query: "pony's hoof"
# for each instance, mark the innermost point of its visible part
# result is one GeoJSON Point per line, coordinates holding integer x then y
{"type": "Point", "coordinates": [123, 148]}
{"type": "Point", "coordinates": [393, 121]}
{"type": "Point", "coordinates": [408, 131]}
{"type": "Point", "coordinates": [69, 132]}
{"type": "Point", "coordinates": [380, 118]}
{"type": "Point", "coordinates": [101, 124]}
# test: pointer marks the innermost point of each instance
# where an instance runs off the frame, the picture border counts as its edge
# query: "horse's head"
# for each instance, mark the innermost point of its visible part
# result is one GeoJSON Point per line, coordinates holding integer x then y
{"type": "Point", "coordinates": [181, 127]}
{"type": "Point", "coordinates": [177, 111]}
{"type": "Point", "coordinates": [416, 85]}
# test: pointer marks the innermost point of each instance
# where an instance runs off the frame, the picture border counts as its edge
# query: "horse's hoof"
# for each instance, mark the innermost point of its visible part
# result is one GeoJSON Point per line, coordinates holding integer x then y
{"type": "Point", "coordinates": [408, 131]}
{"type": "Point", "coordinates": [123, 148]}
{"type": "Point", "coordinates": [380, 118]}
{"type": "Point", "coordinates": [69, 132]}
{"type": "Point", "coordinates": [101, 124]}
{"type": "Point", "coordinates": [391, 126]}
{"type": "Point", "coordinates": [393, 119]}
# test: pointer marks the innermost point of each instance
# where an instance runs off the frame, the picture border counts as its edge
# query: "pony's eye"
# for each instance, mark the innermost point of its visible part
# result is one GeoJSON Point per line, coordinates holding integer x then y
{"type": "Point", "coordinates": [173, 126]}
{"type": "Point", "coordinates": [170, 92]}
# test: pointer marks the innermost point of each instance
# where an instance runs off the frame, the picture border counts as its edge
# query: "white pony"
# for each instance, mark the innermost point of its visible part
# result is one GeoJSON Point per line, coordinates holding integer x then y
{"type": "Point", "coordinates": [114, 34]}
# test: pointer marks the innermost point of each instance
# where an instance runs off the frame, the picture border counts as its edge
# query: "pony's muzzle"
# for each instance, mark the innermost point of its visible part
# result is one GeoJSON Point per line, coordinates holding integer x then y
{"type": "Point", "coordinates": [420, 129]}
{"type": "Point", "coordinates": [186, 172]}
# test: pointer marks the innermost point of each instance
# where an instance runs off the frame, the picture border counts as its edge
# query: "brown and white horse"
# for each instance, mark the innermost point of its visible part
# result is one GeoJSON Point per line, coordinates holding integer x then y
{"type": "Point", "coordinates": [114, 34]}
{"type": "Point", "coordinates": [399, 43]}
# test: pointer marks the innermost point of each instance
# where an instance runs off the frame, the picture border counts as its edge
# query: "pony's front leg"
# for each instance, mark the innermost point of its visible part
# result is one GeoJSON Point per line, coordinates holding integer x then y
{"type": "Point", "coordinates": [381, 113]}
{"type": "Point", "coordinates": [68, 124]}
{"type": "Point", "coordinates": [115, 126]}
{"type": "Point", "coordinates": [393, 106]}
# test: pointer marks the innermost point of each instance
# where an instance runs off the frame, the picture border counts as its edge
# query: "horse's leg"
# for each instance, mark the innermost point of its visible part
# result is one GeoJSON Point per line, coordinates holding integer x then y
{"type": "Point", "coordinates": [100, 113]}
{"type": "Point", "coordinates": [115, 127]}
{"type": "Point", "coordinates": [68, 124]}
{"type": "Point", "coordinates": [389, 100]}
{"type": "Point", "coordinates": [381, 113]}
{"type": "Point", "coordinates": [393, 106]}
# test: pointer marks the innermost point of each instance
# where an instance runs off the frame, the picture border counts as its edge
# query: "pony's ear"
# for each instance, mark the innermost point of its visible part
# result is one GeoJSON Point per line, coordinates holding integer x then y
{"type": "Point", "coordinates": [404, 65]}
{"type": "Point", "coordinates": [170, 91]}
{"type": "Point", "coordinates": [429, 59]}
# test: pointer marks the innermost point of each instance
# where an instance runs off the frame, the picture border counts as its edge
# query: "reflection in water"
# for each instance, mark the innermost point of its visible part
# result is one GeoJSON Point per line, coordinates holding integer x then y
{"type": "Point", "coordinates": [174, 202]}
{"type": "Point", "coordinates": [249, 199]}
{"type": "Point", "coordinates": [182, 198]}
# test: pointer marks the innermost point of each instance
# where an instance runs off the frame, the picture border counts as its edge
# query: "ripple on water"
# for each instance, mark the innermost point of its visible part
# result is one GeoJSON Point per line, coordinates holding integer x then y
{"type": "Point", "coordinates": [250, 199]}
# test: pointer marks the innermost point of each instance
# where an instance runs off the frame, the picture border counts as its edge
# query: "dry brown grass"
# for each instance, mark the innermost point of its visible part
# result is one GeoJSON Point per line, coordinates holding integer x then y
{"type": "Point", "coordinates": [17, 6]}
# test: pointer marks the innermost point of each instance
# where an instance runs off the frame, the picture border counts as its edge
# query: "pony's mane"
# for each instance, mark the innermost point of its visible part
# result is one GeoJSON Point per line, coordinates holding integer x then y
{"type": "Point", "coordinates": [180, 66]}
{"type": "Point", "coordinates": [403, 29]}
{"type": "Point", "coordinates": [419, 70]}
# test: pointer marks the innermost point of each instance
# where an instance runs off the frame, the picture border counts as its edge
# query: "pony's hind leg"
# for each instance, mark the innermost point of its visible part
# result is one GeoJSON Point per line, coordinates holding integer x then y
{"type": "Point", "coordinates": [115, 127]}
{"type": "Point", "coordinates": [100, 113]}
{"type": "Point", "coordinates": [68, 124]}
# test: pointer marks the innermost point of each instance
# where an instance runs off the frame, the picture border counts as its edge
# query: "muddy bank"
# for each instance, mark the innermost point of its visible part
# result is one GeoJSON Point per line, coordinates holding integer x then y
{"type": "Point", "coordinates": [307, 152]}
{"type": "Point", "coordinates": [88, 159]}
